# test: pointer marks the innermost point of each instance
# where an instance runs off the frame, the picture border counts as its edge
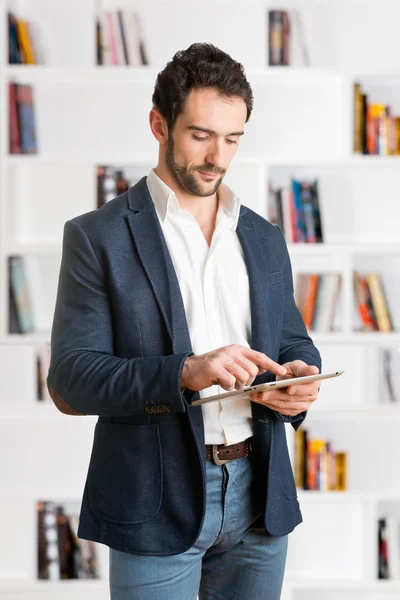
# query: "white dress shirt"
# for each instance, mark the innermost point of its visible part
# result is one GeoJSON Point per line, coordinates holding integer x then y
{"type": "Point", "coordinates": [215, 290]}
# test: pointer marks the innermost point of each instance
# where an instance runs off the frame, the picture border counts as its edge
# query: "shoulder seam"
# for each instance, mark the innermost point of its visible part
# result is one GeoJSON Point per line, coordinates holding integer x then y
{"type": "Point", "coordinates": [88, 239]}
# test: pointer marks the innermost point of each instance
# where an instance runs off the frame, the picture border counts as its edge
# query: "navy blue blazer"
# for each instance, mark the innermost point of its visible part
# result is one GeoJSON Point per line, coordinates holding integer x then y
{"type": "Point", "coordinates": [119, 340]}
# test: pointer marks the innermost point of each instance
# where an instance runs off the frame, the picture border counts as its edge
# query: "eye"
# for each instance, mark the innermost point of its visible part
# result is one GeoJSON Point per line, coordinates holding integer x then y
{"type": "Point", "coordinates": [199, 139]}
{"type": "Point", "coordinates": [231, 141]}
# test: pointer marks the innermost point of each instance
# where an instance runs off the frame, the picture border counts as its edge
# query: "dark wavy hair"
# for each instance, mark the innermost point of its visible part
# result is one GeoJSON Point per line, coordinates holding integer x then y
{"type": "Point", "coordinates": [202, 65]}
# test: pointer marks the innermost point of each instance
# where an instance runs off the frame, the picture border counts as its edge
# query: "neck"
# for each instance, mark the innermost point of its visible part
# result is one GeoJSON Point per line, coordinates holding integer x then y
{"type": "Point", "coordinates": [203, 208]}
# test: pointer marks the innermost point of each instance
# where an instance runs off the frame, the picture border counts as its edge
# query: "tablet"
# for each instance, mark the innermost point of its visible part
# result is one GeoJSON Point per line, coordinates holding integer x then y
{"type": "Point", "coordinates": [265, 387]}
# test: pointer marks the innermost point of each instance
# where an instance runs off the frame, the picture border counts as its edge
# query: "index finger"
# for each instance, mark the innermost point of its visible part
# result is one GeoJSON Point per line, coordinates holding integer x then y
{"type": "Point", "coordinates": [262, 360]}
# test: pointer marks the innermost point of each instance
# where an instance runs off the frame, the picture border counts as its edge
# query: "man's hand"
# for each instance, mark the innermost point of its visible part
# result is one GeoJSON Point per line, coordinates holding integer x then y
{"type": "Point", "coordinates": [294, 399]}
{"type": "Point", "coordinates": [232, 367]}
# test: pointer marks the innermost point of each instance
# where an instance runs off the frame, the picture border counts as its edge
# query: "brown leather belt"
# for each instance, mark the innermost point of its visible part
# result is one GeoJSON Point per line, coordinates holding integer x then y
{"type": "Point", "coordinates": [220, 454]}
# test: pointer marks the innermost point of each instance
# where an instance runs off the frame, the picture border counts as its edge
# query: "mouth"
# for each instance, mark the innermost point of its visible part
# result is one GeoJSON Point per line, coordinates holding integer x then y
{"type": "Point", "coordinates": [208, 175]}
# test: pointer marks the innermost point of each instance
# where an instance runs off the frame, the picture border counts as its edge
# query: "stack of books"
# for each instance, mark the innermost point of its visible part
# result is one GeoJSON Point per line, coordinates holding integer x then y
{"type": "Point", "coordinates": [371, 303]}
{"type": "Point", "coordinates": [376, 127]}
{"type": "Point", "coordinates": [296, 211]}
{"type": "Point", "coordinates": [120, 39]}
{"type": "Point", "coordinates": [20, 45]}
{"type": "Point", "coordinates": [61, 555]}
{"type": "Point", "coordinates": [317, 465]}
{"type": "Point", "coordinates": [317, 297]}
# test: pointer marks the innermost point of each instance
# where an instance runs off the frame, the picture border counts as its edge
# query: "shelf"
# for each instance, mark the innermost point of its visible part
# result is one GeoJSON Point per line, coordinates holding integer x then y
{"type": "Point", "coordinates": [332, 496]}
{"type": "Point", "coordinates": [383, 412]}
{"type": "Point", "coordinates": [343, 161]}
{"type": "Point", "coordinates": [148, 74]}
{"type": "Point", "coordinates": [73, 160]}
{"type": "Point", "coordinates": [50, 159]}
{"type": "Point", "coordinates": [35, 249]}
{"type": "Point", "coordinates": [375, 338]}
{"type": "Point", "coordinates": [347, 496]}
{"type": "Point", "coordinates": [21, 339]}
{"type": "Point", "coordinates": [24, 495]}
{"type": "Point", "coordinates": [389, 78]}
{"type": "Point", "coordinates": [374, 159]}
{"type": "Point", "coordinates": [339, 584]}
{"type": "Point", "coordinates": [51, 75]}
{"type": "Point", "coordinates": [45, 410]}
{"type": "Point", "coordinates": [357, 248]}
{"type": "Point", "coordinates": [75, 585]}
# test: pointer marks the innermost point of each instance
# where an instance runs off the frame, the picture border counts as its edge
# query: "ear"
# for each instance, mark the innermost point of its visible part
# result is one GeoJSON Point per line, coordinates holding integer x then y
{"type": "Point", "coordinates": [158, 125]}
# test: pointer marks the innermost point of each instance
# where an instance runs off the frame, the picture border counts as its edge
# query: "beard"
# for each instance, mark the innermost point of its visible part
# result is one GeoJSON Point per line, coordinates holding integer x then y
{"type": "Point", "coordinates": [186, 179]}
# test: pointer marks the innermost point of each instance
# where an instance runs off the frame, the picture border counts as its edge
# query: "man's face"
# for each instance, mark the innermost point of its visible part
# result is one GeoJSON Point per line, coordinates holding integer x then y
{"type": "Point", "coordinates": [199, 159]}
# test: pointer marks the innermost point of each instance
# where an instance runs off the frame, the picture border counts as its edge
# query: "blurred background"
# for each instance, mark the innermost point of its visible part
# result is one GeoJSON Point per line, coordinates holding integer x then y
{"type": "Point", "coordinates": [320, 158]}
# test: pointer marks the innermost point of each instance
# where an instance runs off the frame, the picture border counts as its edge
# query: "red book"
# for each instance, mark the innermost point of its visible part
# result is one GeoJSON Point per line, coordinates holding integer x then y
{"type": "Point", "coordinates": [15, 135]}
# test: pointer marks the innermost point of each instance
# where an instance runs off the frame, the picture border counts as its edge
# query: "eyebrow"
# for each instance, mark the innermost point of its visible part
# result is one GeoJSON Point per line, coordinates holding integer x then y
{"type": "Point", "coordinates": [195, 128]}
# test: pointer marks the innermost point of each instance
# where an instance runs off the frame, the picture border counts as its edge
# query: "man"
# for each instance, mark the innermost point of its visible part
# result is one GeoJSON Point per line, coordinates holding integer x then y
{"type": "Point", "coordinates": [170, 292]}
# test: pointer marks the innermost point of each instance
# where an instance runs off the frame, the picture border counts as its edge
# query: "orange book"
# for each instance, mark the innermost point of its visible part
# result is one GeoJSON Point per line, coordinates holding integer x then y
{"type": "Point", "coordinates": [361, 294]}
{"type": "Point", "coordinates": [311, 300]}
{"type": "Point", "coordinates": [25, 42]}
{"type": "Point", "coordinates": [311, 467]}
{"type": "Point", "coordinates": [397, 134]}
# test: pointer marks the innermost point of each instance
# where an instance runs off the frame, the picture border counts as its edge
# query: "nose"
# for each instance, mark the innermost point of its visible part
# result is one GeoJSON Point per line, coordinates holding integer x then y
{"type": "Point", "coordinates": [216, 155]}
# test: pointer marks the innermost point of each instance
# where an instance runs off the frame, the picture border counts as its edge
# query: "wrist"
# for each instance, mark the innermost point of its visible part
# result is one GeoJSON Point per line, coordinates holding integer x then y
{"type": "Point", "coordinates": [182, 380]}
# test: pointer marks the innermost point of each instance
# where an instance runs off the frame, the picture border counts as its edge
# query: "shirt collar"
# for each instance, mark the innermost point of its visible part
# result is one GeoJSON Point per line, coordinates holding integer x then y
{"type": "Point", "coordinates": [166, 202]}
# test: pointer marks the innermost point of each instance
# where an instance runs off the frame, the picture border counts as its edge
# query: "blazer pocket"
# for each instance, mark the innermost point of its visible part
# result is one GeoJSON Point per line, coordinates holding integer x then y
{"type": "Point", "coordinates": [125, 473]}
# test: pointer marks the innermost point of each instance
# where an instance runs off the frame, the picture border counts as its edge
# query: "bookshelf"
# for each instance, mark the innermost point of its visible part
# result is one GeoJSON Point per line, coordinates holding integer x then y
{"type": "Point", "coordinates": [302, 126]}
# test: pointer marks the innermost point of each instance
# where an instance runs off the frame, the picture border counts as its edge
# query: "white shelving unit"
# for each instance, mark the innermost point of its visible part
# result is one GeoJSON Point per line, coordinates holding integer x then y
{"type": "Point", "coordinates": [301, 126]}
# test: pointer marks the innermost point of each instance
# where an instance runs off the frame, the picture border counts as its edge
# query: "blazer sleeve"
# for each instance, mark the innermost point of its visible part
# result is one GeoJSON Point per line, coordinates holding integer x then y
{"type": "Point", "coordinates": [295, 343]}
{"type": "Point", "coordinates": [84, 377]}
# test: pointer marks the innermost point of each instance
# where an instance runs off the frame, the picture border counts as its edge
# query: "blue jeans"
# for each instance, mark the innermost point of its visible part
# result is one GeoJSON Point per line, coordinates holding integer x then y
{"type": "Point", "coordinates": [229, 561]}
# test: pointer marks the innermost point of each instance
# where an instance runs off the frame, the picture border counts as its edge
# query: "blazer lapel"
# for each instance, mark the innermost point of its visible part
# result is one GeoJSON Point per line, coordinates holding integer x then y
{"type": "Point", "coordinates": [156, 259]}
{"type": "Point", "coordinates": [248, 238]}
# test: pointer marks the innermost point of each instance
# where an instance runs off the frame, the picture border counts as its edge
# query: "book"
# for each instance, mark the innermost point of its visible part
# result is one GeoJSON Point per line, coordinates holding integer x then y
{"type": "Point", "coordinates": [21, 299]}
{"type": "Point", "coordinates": [341, 471]}
{"type": "Point", "coordinates": [25, 42]}
{"type": "Point", "coordinates": [279, 38]}
{"type": "Point", "coordinates": [383, 563]}
{"type": "Point", "coordinates": [26, 118]}
{"type": "Point", "coordinates": [379, 302]}
{"type": "Point", "coordinates": [390, 370]}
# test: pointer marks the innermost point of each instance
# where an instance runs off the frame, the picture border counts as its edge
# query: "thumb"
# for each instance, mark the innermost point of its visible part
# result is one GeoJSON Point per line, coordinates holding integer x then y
{"type": "Point", "coordinates": [308, 370]}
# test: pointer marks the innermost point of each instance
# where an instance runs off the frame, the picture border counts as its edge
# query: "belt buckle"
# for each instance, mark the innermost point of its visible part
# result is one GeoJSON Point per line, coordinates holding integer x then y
{"type": "Point", "coordinates": [217, 460]}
